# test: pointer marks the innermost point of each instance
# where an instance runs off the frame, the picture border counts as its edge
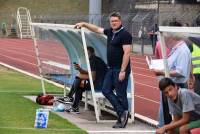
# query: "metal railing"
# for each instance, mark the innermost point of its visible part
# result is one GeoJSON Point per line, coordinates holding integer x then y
{"type": "Point", "coordinates": [23, 19]}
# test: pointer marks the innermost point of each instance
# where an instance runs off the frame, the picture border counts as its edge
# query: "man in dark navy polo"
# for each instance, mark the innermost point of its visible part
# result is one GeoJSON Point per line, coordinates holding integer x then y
{"type": "Point", "coordinates": [118, 57]}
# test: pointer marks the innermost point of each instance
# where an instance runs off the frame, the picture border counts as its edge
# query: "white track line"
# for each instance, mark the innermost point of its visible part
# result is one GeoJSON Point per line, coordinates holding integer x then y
{"type": "Point", "coordinates": [21, 53]}
{"type": "Point", "coordinates": [144, 63]}
{"type": "Point", "coordinates": [33, 56]}
{"type": "Point", "coordinates": [147, 99]}
{"type": "Point", "coordinates": [139, 58]}
{"type": "Point", "coordinates": [28, 55]}
{"type": "Point", "coordinates": [146, 85]}
{"type": "Point", "coordinates": [18, 48]}
{"type": "Point", "coordinates": [18, 60]}
{"type": "Point", "coordinates": [141, 68]}
{"type": "Point", "coordinates": [145, 75]}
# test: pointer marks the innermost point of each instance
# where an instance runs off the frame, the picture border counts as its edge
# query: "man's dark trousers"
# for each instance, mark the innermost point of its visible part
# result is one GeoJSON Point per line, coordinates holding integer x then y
{"type": "Point", "coordinates": [111, 82]}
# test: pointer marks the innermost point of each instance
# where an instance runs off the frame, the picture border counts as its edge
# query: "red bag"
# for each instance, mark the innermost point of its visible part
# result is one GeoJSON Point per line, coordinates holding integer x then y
{"type": "Point", "coordinates": [45, 99]}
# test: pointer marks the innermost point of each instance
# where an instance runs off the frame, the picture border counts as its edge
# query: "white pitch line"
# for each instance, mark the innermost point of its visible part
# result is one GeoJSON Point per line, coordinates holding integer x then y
{"type": "Point", "coordinates": [125, 131]}
{"type": "Point", "coordinates": [30, 74]}
{"type": "Point", "coordinates": [90, 131]}
{"type": "Point", "coordinates": [20, 91]}
{"type": "Point", "coordinates": [47, 129]}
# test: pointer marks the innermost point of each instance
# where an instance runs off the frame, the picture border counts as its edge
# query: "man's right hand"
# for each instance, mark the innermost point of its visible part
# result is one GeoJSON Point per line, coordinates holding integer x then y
{"type": "Point", "coordinates": [89, 26]}
{"type": "Point", "coordinates": [79, 25]}
{"type": "Point", "coordinates": [160, 130]}
{"type": "Point", "coordinates": [158, 72]}
{"type": "Point", "coordinates": [77, 67]}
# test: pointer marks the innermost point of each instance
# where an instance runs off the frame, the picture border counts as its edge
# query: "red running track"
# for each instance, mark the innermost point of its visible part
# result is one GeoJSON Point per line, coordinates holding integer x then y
{"type": "Point", "coordinates": [20, 53]}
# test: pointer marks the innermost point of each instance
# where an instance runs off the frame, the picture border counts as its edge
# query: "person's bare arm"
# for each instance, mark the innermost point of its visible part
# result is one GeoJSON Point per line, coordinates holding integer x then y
{"type": "Point", "coordinates": [81, 71]}
{"type": "Point", "coordinates": [86, 76]}
{"type": "Point", "coordinates": [177, 122]}
{"type": "Point", "coordinates": [83, 74]}
{"type": "Point", "coordinates": [172, 73]}
{"type": "Point", "coordinates": [89, 26]}
{"type": "Point", "coordinates": [125, 61]}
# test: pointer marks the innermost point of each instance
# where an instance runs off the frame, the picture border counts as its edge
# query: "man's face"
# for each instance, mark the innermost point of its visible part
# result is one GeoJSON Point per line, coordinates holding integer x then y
{"type": "Point", "coordinates": [169, 42]}
{"type": "Point", "coordinates": [115, 23]}
{"type": "Point", "coordinates": [171, 92]}
{"type": "Point", "coordinates": [89, 53]}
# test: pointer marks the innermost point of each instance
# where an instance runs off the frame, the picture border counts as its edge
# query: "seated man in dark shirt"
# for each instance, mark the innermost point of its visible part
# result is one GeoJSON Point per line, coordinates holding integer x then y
{"type": "Point", "coordinates": [81, 82]}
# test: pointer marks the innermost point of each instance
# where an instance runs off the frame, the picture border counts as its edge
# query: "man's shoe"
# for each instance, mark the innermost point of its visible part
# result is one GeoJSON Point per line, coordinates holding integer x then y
{"type": "Point", "coordinates": [118, 124]}
{"type": "Point", "coordinates": [124, 118]}
{"type": "Point", "coordinates": [66, 100]}
{"type": "Point", "coordinates": [73, 110]}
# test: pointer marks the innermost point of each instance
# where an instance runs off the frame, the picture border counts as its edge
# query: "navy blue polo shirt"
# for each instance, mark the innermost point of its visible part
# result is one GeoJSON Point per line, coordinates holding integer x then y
{"type": "Point", "coordinates": [115, 41]}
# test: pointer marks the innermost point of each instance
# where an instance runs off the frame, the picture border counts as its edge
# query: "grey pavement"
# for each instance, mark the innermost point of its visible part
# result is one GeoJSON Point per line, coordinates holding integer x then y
{"type": "Point", "coordinates": [86, 120]}
{"type": "Point", "coordinates": [147, 49]}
